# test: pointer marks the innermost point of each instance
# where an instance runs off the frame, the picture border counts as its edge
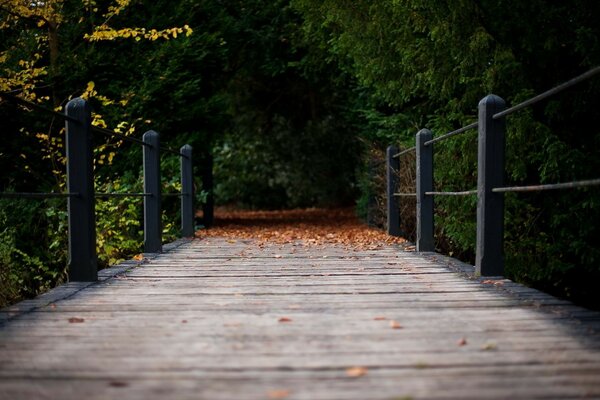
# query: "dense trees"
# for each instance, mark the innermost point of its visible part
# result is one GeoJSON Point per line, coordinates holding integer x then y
{"type": "Point", "coordinates": [293, 99]}
{"type": "Point", "coordinates": [426, 64]}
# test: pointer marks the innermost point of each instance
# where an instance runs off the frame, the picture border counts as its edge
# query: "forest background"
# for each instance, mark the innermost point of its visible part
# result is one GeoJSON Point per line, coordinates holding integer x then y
{"type": "Point", "coordinates": [291, 103]}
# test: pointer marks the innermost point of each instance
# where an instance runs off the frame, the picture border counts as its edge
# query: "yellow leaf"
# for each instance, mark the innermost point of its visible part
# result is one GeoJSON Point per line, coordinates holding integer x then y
{"type": "Point", "coordinates": [278, 394]}
{"type": "Point", "coordinates": [395, 325]}
{"type": "Point", "coordinates": [356, 372]}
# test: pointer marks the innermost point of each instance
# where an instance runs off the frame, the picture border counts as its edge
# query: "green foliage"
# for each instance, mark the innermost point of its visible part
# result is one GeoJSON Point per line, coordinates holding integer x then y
{"type": "Point", "coordinates": [26, 267]}
{"type": "Point", "coordinates": [427, 64]}
{"type": "Point", "coordinates": [296, 98]}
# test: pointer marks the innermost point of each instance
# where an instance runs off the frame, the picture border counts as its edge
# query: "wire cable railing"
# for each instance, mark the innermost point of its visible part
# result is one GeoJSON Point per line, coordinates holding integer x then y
{"type": "Point", "coordinates": [451, 134]}
{"type": "Point", "coordinates": [490, 179]}
{"type": "Point", "coordinates": [81, 194]}
{"type": "Point", "coordinates": [555, 90]}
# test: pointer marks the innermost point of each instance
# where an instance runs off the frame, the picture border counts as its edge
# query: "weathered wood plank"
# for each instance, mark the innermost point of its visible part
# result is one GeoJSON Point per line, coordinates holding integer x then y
{"type": "Point", "coordinates": [205, 321]}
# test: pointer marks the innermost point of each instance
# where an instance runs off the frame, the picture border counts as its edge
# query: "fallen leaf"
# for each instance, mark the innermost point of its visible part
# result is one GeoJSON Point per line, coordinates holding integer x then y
{"type": "Point", "coordinates": [138, 257]}
{"type": "Point", "coordinates": [53, 306]}
{"type": "Point", "coordinates": [356, 372]}
{"type": "Point", "coordinates": [395, 324]}
{"type": "Point", "coordinates": [489, 346]}
{"type": "Point", "coordinates": [118, 384]}
{"type": "Point", "coordinates": [184, 321]}
{"type": "Point", "coordinates": [278, 394]}
{"type": "Point", "coordinates": [461, 342]}
{"type": "Point", "coordinates": [76, 320]}
{"type": "Point", "coordinates": [380, 318]}
{"type": "Point", "coordinates": [285, 319]}
{"type": "Point", "coordinates": [492, 282]}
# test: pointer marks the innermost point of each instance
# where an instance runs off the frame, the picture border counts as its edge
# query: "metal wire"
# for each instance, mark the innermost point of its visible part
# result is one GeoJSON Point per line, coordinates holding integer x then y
{"type": "Point", "coordinates": [38, 107]}
{"type": "Point", "coordinates": [554, 186]}
{"type": "Point", "coordinates": [108, 132]}
{"type": "Point", "coordinates": [26, 195]}
{"type": "Point", "coordinates": [173, 151]}
{"type": "Point", "coordinates": [465, 193]}
{"type": "Point", "coordinates": [453, 133]}
{"type": "Point", "coordinates": [548, 93]}
{"type": "Point", "coordinates": [405, 194]}
{"type": "Point", "coordinates": [112, 194]}
{"type": "Point", "coordinates": [404, 152]}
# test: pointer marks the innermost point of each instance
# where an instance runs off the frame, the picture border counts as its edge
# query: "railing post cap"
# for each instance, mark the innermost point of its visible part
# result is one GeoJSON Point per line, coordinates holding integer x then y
{"type": "Point", "coordinates": [424, 132]}
{"type": "Point", "coordinates": [76, 104]}
{"type": "Point", "coordinates": [186, 147]}
{"type": "Point", "coordinates": [150, 134]}
{"type": "Point", "coordinates": [493, 100]}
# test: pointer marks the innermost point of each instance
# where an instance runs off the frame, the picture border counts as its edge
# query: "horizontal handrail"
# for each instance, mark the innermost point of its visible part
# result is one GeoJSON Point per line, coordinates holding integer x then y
{"type": "Point", "coordinates": [548, 93]}
{"type": "Point", "coordinates": [98, 129]}
{"type": "Point", "coordinates": [24, 102]}
{"type": "Point", "coordinates": [463, 193]}
{"type": "Point", "coordinates": [489, 260]}
{"type": "Point", "coordinates": [81, 196]}
{"type": "Point", "coordinates": [116, 194]}
{"type": "Point", "coordinates": [108, 132]}
{"type": "Point", "coordinates": [453, 133]}
{"type": "Point", "coordinates": [28, 195]}
{"type": "Point", "coordinates": [550, 186]}
{"type": "Point", "coordinates": [405, 194]}
{"type": "Point", "coordinates": [404, 151]}
{"type": "Point", "coordinates": [172, 151]}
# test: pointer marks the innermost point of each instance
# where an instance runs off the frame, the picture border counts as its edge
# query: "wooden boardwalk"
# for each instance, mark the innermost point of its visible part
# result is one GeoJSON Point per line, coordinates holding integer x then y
{"type": "Point", "coordinates": [223, 319]}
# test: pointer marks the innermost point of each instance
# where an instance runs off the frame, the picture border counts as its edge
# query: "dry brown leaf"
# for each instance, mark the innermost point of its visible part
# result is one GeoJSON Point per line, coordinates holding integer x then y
{"type": "Point", "coordinates": [285, 319]}
{"type": "Point", "coordinates": [461, 342]}
{"type": "Point", "coordinates": [278, 394]}
{"type": "Point", "coordinates": [395, 324]}
{"type": "Point", "coordinates": [184, 321]}
{"type": "Point", "coordinates": [380, 318]}
{"type": "Point", "coordinates": [76, 320]}
{"type": "Point", "coordinates": [492, 282]}
{"type": "Point", "coordinates": [356, 372]}
{"type": "Point", "coordinates": [489, 346]}
{"type": "Point", "coordinates": [314, 227]}
{"type": "Point", "coordinates": [138, 257]}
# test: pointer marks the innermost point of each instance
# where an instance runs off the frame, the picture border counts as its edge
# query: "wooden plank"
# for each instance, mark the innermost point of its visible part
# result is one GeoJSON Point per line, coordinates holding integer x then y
{"type": "Point", "coordinates": [205, 321]}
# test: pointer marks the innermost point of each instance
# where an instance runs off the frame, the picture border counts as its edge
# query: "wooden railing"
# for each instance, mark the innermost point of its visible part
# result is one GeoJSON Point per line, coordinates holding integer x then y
{"type": "Point", "coordinates": [81, 196]}
{"type": "Point", "coordinates": [491, 125]}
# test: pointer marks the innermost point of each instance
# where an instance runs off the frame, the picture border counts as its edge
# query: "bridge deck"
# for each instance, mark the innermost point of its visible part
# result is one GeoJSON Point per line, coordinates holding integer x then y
{"type": "Point", "coordinates": [212, 319]}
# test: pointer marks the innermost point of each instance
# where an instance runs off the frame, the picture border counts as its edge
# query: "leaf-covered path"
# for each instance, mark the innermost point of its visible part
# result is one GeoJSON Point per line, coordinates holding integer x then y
{"type": "Point", "coordinates": [236, 317]}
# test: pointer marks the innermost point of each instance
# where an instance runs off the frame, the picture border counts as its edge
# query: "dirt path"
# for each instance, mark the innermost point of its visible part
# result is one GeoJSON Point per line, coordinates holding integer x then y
{"type": "Point", "coordinates": [312, 226]}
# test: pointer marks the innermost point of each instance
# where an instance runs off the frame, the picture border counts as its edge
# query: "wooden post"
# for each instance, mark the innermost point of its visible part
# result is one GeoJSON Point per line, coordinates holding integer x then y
{"type": "Point", "coordinates": [489, 255]}
{"type": "Point", "coordinates": [393, 202]}
{"type": "Point", "coordinates": [83, 263]}
{"type": "Point", "coordinates": [187, 192]}
{"type": "Point", "coordinates": [425, 241]}
{"type": "Point", "coordinates": [152, 211]}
